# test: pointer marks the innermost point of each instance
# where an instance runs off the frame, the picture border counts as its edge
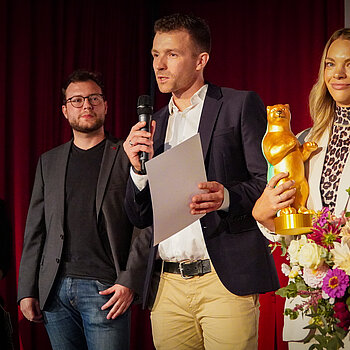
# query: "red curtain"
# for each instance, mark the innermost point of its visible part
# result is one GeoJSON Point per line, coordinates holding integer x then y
{"type": "Point", "coordinates": [272, 47]}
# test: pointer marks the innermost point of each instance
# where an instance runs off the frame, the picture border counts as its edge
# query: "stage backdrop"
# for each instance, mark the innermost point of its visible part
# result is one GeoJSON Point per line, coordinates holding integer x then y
{"type": "Point", "coordinates": [272, 47]}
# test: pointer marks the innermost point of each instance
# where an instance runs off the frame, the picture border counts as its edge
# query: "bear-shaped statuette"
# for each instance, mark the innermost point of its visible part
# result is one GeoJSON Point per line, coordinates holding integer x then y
{"type": "Point", "coordinates": [284, 153]}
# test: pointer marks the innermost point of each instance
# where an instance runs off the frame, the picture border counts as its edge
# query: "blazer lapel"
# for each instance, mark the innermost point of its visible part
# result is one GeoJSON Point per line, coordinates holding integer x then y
{"type": "Point", "coordinates": [210, 112]}
{"type": "Point", "coordinates": [109, 154]}
{"type": "Point", "coordinates": [159, 136]}
{"type": "Point", "coordinates": [61, 169]}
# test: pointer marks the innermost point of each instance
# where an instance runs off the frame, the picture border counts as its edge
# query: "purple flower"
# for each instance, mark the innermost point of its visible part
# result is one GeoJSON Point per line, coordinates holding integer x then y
{"type": "Point", "coordinates": [335, 283]}
{"type": "Point", "coordinates": [324, 216]}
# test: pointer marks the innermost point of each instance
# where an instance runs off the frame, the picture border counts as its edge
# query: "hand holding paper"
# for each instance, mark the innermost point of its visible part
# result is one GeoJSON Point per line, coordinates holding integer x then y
{"type": "Point", "coordinates": [206, 202]}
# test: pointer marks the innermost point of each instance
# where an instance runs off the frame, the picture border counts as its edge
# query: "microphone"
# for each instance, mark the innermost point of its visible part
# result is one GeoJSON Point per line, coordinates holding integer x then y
{"type": "Point", "coordinates": [144, 111]}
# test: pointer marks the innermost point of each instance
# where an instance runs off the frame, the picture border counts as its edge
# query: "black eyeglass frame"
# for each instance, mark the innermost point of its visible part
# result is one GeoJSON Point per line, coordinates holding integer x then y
{"type": "Point", "coordinates": [84, 98]}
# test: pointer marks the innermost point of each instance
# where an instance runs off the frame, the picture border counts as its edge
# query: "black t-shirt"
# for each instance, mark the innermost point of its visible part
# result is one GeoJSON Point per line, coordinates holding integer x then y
{"type": "Point", "coordinates": [86, 251]}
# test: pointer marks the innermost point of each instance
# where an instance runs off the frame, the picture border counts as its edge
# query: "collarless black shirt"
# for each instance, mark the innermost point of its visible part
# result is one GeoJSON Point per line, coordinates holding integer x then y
{"type": "Point", "coordinates": [86, 251]}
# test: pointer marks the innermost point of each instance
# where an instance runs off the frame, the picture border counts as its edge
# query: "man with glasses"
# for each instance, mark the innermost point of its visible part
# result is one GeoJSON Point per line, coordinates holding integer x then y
{"type": "Point", "coordinates": [76, 274]}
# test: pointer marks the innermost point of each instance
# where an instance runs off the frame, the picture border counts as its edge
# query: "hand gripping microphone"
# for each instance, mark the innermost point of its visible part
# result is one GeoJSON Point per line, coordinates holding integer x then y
{"type": "Point", "coordinates": [144, 111]}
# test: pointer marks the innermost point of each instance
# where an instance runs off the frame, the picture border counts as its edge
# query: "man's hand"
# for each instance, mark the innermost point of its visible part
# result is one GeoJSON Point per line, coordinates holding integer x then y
{"type": "Point", "coordinates": [119, 301]}
{"type": "Point", "coordinates": [138, 141]}
{"type": "Point", "coordinates": [31, 310]}
{"type": "Point", "coordinates": [211, 200]}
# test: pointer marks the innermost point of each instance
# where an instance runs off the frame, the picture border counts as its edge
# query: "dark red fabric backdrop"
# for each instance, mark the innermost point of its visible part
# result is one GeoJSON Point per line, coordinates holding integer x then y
{"type": "Point", "coordinates": [271, 46]}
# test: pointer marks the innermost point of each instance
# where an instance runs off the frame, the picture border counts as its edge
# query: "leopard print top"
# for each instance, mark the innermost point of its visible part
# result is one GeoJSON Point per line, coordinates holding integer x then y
{"type": "Point", "coordinates": [336, 156]}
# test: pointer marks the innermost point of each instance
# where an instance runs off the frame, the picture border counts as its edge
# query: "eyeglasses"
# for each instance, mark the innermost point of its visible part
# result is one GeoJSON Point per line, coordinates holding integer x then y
{"type": "Point", "coordinates": [78, 101]}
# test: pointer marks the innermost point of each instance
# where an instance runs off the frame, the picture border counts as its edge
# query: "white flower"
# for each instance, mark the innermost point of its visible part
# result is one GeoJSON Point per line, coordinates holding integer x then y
{"type": "Point", "coordinates": [341, 256]}
{"type": "Point", "coordinates": [310, 255]}
{"type": "Point", "coordinates": [314, 277]}
{"type": "Point", "coordinates": [285, 269]}
{"type": "Point", "coordinates": [326, 296]}
{"type": "Point", "coordinates": [345, 232]}
{"type": "Point", "coordinates": [294, 272]}
{"type": "Point", "coordinates": [294, 248]}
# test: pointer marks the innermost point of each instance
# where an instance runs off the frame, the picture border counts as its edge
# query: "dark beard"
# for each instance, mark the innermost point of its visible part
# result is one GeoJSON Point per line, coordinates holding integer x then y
{"type": "Point", "coordinates": [87, 129]}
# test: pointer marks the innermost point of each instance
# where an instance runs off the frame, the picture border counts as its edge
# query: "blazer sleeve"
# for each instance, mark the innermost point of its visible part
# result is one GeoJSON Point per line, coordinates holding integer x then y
{"type": "Point", "coordinates": [243, 194]}
{"type": "Point", "coordinates": [34, 237]}
{"type": "Point", "coordinates": [134, 275]}
{"type": "Point", "coordinates": [138, 205]}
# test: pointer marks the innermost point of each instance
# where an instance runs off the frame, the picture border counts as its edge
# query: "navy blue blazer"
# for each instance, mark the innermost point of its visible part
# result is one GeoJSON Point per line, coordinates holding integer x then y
{"type": "Point", "coordinates": [231, 128]}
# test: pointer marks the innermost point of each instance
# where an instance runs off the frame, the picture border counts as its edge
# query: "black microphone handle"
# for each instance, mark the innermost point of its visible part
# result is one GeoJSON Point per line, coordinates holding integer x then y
{"type": "Point", "coordinates": [144, 155]}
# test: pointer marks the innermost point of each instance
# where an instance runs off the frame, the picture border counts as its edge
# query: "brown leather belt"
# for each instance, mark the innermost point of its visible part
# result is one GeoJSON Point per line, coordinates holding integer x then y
{"type": "Point", "coordinates": [188, 269]}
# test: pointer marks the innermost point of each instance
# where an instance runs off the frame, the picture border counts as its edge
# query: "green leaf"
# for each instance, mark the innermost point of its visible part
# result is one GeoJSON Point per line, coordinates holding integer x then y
{"type": "Point", "coordinates": [348, 301]}
{"type": "Point", "coordinates": [340, 332]}
{"type": "Point", "coordinates": [273, 247]}
{"type": "Point", "coordinates": [301, 285]}
{"type": "Point", "coordinates": [322, 340]}
{"type": "Point", "coordinates": [325, 329]}
{"type": "Point", "coordinates": [284, 246]}
{"type": "Point", "coordinates": [310, 326]}
{"type": "Point", "coordinates": [315, 346]}
{"type": "Point", "coordinates": [289, 291]}
{"type": "Point", "coordinates": [334, 344]}
{"type": "Point", "coordinates": [310, 336]}
{"type": "Point", "coordinates": [293, 315]}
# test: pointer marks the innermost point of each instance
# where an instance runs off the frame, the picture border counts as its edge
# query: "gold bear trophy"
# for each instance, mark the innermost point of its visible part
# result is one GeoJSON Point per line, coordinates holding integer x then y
{"type": "Point", "coordinates": [284, 153]}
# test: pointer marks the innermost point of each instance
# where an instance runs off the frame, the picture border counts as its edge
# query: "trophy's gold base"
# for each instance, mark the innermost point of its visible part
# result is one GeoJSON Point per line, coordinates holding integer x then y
{"type": "Point", "coordinates": [293, 224]}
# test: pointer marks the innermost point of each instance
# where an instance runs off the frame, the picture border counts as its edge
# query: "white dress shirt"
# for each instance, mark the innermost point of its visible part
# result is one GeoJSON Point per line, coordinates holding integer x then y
{"type": "Point", "coordinates": [187, 244]}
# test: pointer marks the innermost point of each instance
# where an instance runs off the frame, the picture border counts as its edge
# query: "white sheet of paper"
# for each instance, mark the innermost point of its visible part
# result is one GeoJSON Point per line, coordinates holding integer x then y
{"type": "Point", "coordinates": [173, 177]}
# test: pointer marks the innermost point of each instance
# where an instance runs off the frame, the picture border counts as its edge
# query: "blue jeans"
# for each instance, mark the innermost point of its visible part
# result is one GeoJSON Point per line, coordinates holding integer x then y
{"type": "Point", "coordinates": [74, 319]}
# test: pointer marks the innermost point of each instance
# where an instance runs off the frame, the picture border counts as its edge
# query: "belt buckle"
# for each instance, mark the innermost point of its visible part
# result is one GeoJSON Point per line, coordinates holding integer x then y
{"type": "Point", "coordinates": [182, 270]}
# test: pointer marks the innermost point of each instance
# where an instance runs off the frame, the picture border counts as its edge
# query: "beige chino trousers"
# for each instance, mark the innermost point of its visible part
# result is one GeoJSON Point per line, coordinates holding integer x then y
{"type": "Point", "coordinates": [200, 313]}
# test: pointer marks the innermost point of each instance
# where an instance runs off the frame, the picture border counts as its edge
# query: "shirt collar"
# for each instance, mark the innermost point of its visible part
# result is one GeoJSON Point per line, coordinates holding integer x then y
{"type": "Point", "coordinates": [196, 98]}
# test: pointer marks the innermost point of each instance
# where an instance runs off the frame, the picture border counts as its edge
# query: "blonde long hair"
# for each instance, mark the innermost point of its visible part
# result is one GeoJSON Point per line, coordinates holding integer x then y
{"type": "Point", "coordinates": [321, 103]}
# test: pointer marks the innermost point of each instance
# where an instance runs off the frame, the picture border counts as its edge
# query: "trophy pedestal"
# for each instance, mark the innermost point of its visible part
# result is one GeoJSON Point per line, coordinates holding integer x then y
{"type": "Point", "coordinates": [293, 224]}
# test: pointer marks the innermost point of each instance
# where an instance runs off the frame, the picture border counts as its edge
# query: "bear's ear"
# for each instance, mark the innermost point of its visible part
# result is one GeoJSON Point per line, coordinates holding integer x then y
{"type": "Point", "coordinates": [268, 108]}
{"type": "Point", "coordinates": [287, 105]}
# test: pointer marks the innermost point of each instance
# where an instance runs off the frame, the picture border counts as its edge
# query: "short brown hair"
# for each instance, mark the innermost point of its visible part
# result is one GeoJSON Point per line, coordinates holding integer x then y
{"type": "Point", "coordinates": [197, 28]}
{"type": "Point", "coordinates": [79, 76]}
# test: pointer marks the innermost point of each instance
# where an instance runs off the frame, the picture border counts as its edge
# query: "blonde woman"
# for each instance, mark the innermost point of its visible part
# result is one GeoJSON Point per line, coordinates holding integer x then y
{"type": "Point", "coordinates": [328, 169]}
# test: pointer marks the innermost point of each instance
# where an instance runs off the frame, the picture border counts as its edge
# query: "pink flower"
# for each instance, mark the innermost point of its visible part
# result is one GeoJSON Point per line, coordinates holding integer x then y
{"type": "Point", "coordinates": [341, 312]}
{"type": "Point", "coordinates": [325, 230]}
{"type": "Point", "coordinates": [335, 283]}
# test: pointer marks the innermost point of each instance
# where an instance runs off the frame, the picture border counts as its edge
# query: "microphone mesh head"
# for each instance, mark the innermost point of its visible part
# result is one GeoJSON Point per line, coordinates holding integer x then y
{"type": "Point", "coordinates": [144, 105]}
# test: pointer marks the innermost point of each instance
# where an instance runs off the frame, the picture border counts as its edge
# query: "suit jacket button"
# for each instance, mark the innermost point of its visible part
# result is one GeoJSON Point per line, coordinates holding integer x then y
{"type": "Point", "coordinates": [57, 260]}
{"type": "Point", "coordinates": [61, 236]}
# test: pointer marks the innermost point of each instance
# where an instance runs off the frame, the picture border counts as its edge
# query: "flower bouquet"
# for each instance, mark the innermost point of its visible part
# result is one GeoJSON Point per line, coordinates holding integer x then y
{"type": "Point", "coordinates": [318, 271]}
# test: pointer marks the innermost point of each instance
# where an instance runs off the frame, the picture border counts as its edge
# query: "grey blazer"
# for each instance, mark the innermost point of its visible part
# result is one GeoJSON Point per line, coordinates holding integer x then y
{"type": "Point", "coordinates": [44, 232]}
